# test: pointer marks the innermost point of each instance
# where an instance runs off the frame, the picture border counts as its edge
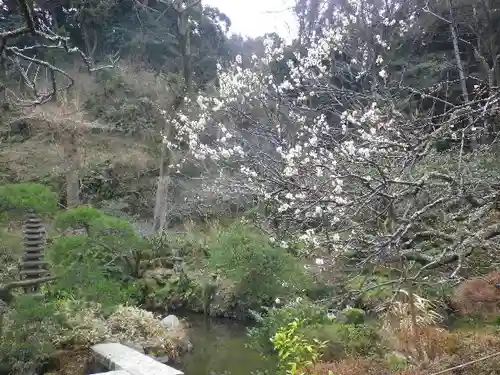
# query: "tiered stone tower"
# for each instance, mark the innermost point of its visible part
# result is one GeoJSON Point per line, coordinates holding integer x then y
{"type": "Point", "coordinates": [33, 265]}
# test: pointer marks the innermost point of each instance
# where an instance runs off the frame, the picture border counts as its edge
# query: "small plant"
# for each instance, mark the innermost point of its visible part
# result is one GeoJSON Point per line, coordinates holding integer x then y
{"type": "Point", "coordinates": [396, 362]}
{"type": "Point", "coordinates": [296, 354]}
{"type": "Point", "coordinates": [269, 323]}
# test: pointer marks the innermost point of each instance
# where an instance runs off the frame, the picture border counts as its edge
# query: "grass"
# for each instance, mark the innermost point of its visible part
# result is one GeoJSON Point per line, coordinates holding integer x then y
{"type": "Point", "coordinates": [41, 156]}
{"type": "Point", "coordinates": [11, 249]}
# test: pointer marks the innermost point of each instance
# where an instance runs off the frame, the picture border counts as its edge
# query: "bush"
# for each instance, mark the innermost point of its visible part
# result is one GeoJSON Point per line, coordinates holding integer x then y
{"type": "Point", "coordinates": [110, 244]}
{"type": "Point", "coordinates": [78, 218]}
{"type": "Point", "coordinates": [268, 324]}
{"type": "Point", "coordinates": [479, 297]}
{"type": "Point", "coordinates": [346, 340]}
{"type": "Point", "coordinates": [101, 265]}
{"type": "Point", "coordinates": [89, 283]}
{"type": "Point", "coordinates": [352, 316]}
{"type": "Point", "coordinates": [296, 354]}
{"type": "Point", "coordinates": [260, 271]}
{"type": "Point", "coordinates": [26, 196]}
{"type": "Point", "coordinates": [27, 331]}
{"type": "Point", "coordinates": [122, 106]}
{"type": "Point", "coordinates": [35, 329]}
{"type": "Point", "coordinates": [350, 366]}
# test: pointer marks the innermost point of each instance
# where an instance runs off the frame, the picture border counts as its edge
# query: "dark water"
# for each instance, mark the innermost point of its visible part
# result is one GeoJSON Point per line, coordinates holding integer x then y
{"type": "Point", "coordinates": [219, 348]}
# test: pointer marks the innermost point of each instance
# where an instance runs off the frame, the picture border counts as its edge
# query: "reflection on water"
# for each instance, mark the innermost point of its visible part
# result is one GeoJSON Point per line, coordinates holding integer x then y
{"type": "Point", "coordinates": [219, 349]}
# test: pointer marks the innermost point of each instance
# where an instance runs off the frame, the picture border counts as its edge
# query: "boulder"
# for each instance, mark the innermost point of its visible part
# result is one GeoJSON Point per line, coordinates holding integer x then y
{"type": "Point", "coordinates": [150, 283]}
{"type": "Point", "coordinates": [171, 322]}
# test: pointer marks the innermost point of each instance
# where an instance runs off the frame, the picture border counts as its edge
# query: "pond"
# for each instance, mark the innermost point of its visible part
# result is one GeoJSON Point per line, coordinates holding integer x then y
{"type": "Point", "coordinates": [219, 348]}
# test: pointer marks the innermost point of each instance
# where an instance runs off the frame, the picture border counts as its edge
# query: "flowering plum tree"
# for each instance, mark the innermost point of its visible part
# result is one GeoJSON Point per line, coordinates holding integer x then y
{"type": "Point", "coordinates": [339, 149]}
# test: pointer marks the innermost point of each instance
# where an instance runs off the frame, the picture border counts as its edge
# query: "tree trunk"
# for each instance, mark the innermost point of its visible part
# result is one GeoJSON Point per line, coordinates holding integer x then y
{"type": "Point", "coordinates": [461, 72]}
{"type": "Point", "coordinates": [460, 67]}
{"type": "Point", "coordinates": [89, 49]}
{"type": "Point", "coordinates": [72, 166]}
{"type": "Point", "coordinates": [161, 204]}
{"type": "Point", "coordinates": [414, 324]}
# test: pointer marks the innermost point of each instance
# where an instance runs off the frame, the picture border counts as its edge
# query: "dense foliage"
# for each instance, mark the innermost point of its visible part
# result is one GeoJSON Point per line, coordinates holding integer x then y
{"type": "Point", "coordinates": [22, 198]}
{"type": "Point", "coordinates": [261, 272]}
{"type": "Point", "coordinates": [362, 157]}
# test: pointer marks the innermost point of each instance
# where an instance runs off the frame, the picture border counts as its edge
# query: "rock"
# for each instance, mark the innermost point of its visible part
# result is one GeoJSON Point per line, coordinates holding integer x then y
{"type": "Point", "coordinates": [75, 232]}
{"type": "Point", "coordinates": [171, 322]}
{"type": "Point", "coordinates": [158, 274]}
{"type": "Point", "coordinates": [165, 359]}
{"type": "Point", "coordinates": [135, 346]}
{"type": "Point", "coordinates": [20, 127]}
{"type": "Point", "coordinates": [150, 283]}
{"type": "Point", "coordinates": [5, 369]}
{"type": "Point", "coordinates": [183, 344]}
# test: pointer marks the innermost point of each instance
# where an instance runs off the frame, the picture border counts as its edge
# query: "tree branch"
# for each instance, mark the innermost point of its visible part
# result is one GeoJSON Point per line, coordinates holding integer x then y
{"type": "Point", "coordinates": [54, 41]}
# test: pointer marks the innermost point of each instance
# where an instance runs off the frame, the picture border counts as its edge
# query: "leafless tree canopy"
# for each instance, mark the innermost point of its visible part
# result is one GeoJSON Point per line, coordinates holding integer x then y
{"type": "Point", "coordinates": [27, 60]}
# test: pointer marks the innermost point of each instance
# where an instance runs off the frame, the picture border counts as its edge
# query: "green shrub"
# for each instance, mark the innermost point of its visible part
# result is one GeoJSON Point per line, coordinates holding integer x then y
{"type": "Point", "coordinates": [26, 196]}
{"type": "Point", "coordinates": [260, 271]}
{"type": "Point", "coordinates": [296, 353]}
{"type": "Point", "coordinates": [111, 243]}
{"type": "Point", "coordinates": [27, 332]}
{"type": "Point", "coordinates": [101, 265]}
{"type": "Point", "coordinates": [34, 328]}
{"type": "Point", "coordinates": [345, 339]}
{"type": "Point", "coordinates": [77, 218]}
{"type": "Point", "coordinates": [396, 363]}
{"type": "Point", "coordinates": [352, 316]}
{"type": "Point", "coordinates": [374, 296]}
{"type": "Point", "coordinates": [89, 283]}
{"type": "Point", "coordinates": [268, 324]}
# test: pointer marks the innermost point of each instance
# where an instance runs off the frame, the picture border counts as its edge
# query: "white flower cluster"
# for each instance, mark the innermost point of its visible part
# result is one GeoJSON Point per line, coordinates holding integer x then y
{"type": "Point", "coordinates": [324, 161]}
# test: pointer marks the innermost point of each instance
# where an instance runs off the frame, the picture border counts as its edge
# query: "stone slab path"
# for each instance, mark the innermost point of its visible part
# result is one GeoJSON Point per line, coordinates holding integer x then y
{"type": "Point", "coordinates": [123, 360]}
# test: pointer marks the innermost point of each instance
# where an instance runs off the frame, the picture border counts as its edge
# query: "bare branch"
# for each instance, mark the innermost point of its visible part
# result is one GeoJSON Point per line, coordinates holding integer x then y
{"type": "Point", "coordinates": [16, 55]}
